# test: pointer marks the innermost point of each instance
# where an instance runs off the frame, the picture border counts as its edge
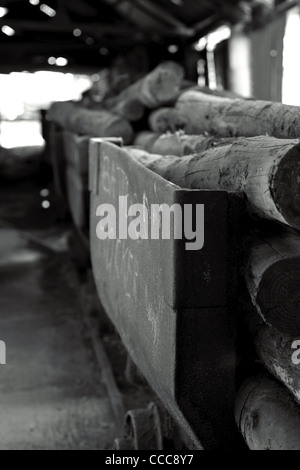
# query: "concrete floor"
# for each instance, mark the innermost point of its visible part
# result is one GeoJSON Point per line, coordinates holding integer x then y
{"type": "Point", "coordinates": [51, 394]}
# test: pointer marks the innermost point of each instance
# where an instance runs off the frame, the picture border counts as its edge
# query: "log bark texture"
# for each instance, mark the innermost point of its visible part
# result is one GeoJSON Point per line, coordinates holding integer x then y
{"type": "Point", "coordinates": [221, 93]}
{"type": "Point", "coordinates": [267, 170]}
{"type": "Point", "coordinates": [188, 86]}
{"type": "Point", "coordinates": [226, 117]}
{"type": "Point", "coordinates": [93, 123]}
{"type": "Point", "coordinates": [151, 160]}
{"type": "Point", "coordinates": [180, 144]}
{"type": "Point", "coordinates": [146, 140]}
{"type": "Point", "coordinates": [273, 280]}
{"type": "Point", "coordinates": [158, 87]}
{"type": "Point", "coordinates": [267, 415]}
{"type": "Point", "coordinates": [167, 119]}
{"type": "Point", "coordinates": [130, 109]}
{"type": "Point", "coordinates": [278, 353]}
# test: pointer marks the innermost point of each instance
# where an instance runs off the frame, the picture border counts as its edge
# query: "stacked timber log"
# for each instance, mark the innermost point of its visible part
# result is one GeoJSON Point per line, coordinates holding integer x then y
{"type": "Point", "coordinates": [155, 90]}
{"type": "Point", "coordinates": [180, 144]}
{"type": "Point", "coordinates": [114, 115]}
{"type": "Point", "coordinates": [167, 119]}
{"type": "Point", "coordinates": [102, 123]}
{"type": "Point", "coordinates": [266, 169]}
{"type": "Point", "coordinates": [273, 279]}
{"type": "Point", "coordinates": [251, 148]}
{"type": "Point", "coordinates": [278, 352]}
{"type": "Point", "coordinates": [227, 117]}
{"type": "Point", "coordinates": [152, 103]}
{"type": "Point", "coordinates": [200, 139]}
{"type": "Point", "coordinates": [267, 415]}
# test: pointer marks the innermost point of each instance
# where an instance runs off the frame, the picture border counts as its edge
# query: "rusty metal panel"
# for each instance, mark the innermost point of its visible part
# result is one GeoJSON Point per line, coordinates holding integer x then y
{"type": "Point", "coordinates": [169, 305]}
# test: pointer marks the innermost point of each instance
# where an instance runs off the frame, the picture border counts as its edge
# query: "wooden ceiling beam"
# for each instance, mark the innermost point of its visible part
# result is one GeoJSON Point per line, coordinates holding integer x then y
{"type": "Point", "coordinates": [41, 47]}
{"type": "Point", "coordinates": [80, 7]}
{"type": "Point", "coordinates": [53, 26]}
{"type": "Point", "coordinates": [202, 27]}
{"type": "Point", "coordinates": [95, 29]}
{"type": "Point", "coordinates": [161, 13]}
{"type": "Point", "coordinates": [151, 17]}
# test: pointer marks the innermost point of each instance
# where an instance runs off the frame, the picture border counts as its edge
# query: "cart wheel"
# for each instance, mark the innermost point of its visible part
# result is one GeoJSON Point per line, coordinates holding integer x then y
{"type": "Point", "coordinates": [123, 444]}
{"type": "Point", "coordinates": [143, 429]}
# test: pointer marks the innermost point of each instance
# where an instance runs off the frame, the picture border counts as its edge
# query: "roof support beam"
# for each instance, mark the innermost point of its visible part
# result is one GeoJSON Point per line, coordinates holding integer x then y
{"type": "Point", "coordinates": [95, 29]}
{"type": "Point", "coordinates": [52, 26]}
{"type": "Point", "coordinates": [160, 13]}
{"type": "Point", "coordinates": [151, 17]}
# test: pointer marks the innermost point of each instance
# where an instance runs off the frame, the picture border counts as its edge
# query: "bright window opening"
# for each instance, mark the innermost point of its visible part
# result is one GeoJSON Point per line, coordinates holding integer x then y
{"type": "Point", "coordinates": [291, 65]}
{"type": "Point", "coordinates": [24, 95]}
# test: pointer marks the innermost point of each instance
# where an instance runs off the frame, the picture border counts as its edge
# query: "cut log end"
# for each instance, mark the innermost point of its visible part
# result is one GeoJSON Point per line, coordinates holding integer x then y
{"type": "Point", "coordinates": [286, 187]}
{"type": "Point", "coordinates": [167, 82]}
{"type": "Point", "coordinates": [267, 415]}
{"type": "Point", "coordinates": [178, 122]}
{"type": "Point", "coordinates": [131, 109]}
{"type": "Point", "coordinates": [120, 129]}
{"type": "Point", "coordinates": [159, 120]}
{"type": "Point", "coordinates": [278, 296]}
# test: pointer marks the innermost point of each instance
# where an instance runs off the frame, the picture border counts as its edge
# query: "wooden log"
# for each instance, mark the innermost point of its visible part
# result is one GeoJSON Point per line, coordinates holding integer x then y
{"type": "Point", "coordinates": [146, 140]}
{"type": "Point", "coordinates": [157, 88]}
{"type": "Point", "coordinates": [87, 122]}
{"type": "Point", "coordinates": [273, 280]}
{"type": "Point", "coordinates": [188, 86]}
{"type": "Point", "coordinates": [132, 110]}
{"type": "Point", "coordinates": [159, 120]}
{"type": "Point", "coordinates": [267, 170]}
{"type": "Point", "coordinates": [180, 144]}
{"type": "Point", "coordinates": [171, 144]}
{"type": "Point", "coordinates": [221, 93]}
{"type": "Point", "coordinates": [267, 415]}
{"type": "Point", "coordinates": [167, 119]}
{"type": "Point", "coordinates": [154, 162]}
{"type": "Point", "coordinates": [226, 117]}
{"type": "Point", "coordinates": [278, 352]}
